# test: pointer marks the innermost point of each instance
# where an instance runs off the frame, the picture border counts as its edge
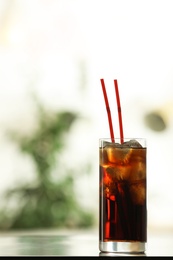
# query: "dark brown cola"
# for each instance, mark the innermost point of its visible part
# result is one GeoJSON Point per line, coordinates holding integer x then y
{"type": "Point", "coordinates": [122, 189]}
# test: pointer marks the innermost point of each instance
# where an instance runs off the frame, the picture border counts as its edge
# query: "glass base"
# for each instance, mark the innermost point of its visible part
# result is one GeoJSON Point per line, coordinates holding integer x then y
{"type": "Point", "coordinates": [122, 247]}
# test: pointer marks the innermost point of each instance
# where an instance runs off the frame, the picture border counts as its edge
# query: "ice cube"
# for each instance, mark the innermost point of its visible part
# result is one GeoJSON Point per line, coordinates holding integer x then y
{"type": "Point", "coordinates": [118, 154]}
{"type": "Point", "coordinates": [119, 173]}
{"type": "Point", "coordinates": [138, 192]}
{"type": "Point", "coordinates": [107, 178]}
{"type": "Point", "coordinates": [132, 143]}
{"type": "Point", "coordinates": [138, 171]}
{"type": "Point", "coordinates": [138, 154]}
{"type": "Point", "coordinates": [103, 158]}
{"type": "Point", "coordinates": [106, 143]}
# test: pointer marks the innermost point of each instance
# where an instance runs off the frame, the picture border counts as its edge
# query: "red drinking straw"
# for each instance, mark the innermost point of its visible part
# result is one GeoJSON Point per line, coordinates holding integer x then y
{"type": "Point", "coordinates": [119, 111]}
{"type": "Point", "coordinates": [108, 110]}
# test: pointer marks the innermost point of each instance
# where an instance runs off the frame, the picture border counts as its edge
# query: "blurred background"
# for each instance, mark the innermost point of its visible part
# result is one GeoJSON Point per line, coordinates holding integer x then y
{"type": "Point", "coordinates": [52, 112]}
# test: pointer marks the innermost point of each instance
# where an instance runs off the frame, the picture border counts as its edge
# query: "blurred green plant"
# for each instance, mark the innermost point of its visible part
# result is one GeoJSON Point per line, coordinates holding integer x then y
{"type": "Point", "coordinates": [46, 203]}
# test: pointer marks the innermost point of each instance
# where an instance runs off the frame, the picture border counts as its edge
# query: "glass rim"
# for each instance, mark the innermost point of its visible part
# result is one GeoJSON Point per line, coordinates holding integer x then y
{"type": "Point", "coordinates": [141, 140]}
{"type": "Point", "coordinates": [125, 138]}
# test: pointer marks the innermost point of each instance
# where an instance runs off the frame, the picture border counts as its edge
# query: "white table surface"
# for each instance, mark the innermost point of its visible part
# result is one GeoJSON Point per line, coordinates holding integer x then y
{"type": "Point", "coordinates": [56, 242]}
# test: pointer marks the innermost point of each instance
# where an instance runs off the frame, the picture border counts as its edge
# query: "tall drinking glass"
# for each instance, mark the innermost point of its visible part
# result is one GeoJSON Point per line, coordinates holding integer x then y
{"type": "Point", "coordinates": [122, 195]}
